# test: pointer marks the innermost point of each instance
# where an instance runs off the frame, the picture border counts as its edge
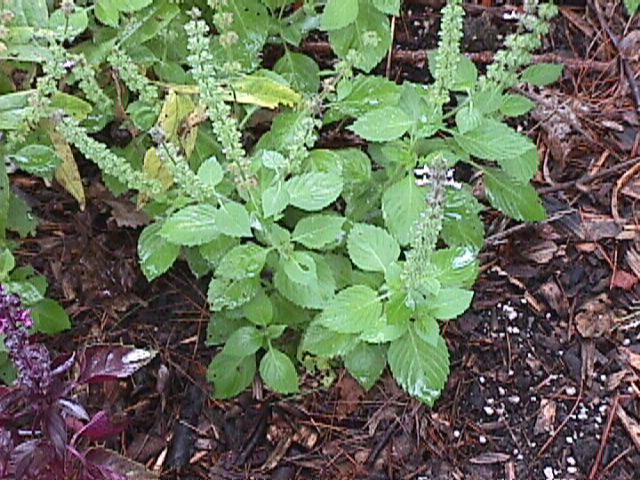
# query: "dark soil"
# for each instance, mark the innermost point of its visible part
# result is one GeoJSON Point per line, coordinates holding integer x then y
{"type": "Point", "coordinates": [545, 367]}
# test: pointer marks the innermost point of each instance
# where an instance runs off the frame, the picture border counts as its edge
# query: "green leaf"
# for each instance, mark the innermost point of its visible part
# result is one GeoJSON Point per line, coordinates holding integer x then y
{"type": "Point", "coordinates": [300, 268]}
{"type": "Point", "coordinates": [221, 327]}
{"type": "Point", "coordinates": [355, 309]}
{"type": "Point", "coordinates": [316, 295]}
{"type": "Point", "coordinates": [461, 225]}
{"type": "Point", "coordinates": [515, 105]}
{"type": "Point", "coordinates": [365, 363]}
{"type": "Point", "coordinates": [259, 310]}
{"type": "Point", "coordinates": [338, 14]}
{"type": "Point", "coordinates": [390, 7]}
{"type": "Point", "coordinates": [356, 166]}
{"type": "Point", "coordinates": [420, 368]}
{"type": "Point", "coordinates": [217, 248]}
{"type": "Point", "coordinates": [325, 342]}
{"type": "Point", "coordinates": [263, 91]}
{"type": "Point", "coordinates": [361, 95]}
{"type": "Point", "coordinates": [224, 293]}
{"type": "Point", "coordinates": [301, 71]}
{"type": "Point", "coordinates": [493, 140]}
{"type": "Point", "coordinates": [7, 263]}
{"type": "Point", "coordinates": [455, 267]}
{"type": "Point", "coordinates": [516, 199]}
{"type": "Point", "coordinates": [524, 167]}
{"type": "Point", "coordinates": [210, 172]}
{"type": "Point", "coordinates": [156, 254]}
{"type": "Point", "coordinates": [275, 199]}
{"type": "Point", "coordinates": [40, 160]}
{"type": "Point", "coordinates": [382, 125]}
{"type": "Point", "coordinates": [69, 26]}
{"type": "Point", "coordinates": [50, 317]}
{"type": "Point", "coordinates": [244, 341]}
{"type": "Point", "coordinates": [542, 74]}
{"type": "Point", "coordinates": [20, 218]}
{"type": "Point", "coordinates": [130, 6]}
{"type": "Point", "coordinates": [632, 6]}
{"type": "Point", "coordinates": [466, 75]}
{"type": "Point", "coordinates": [318, 231]}
{"type": "Point", "coordinates": [369, 36]}
{"type": "Point", "coordinates": [192, 225]}
{"type": "Point", "coordinates": [230, 375]}
{"type": "Point", "coordinates": [372, 248]}
{"type": "Point", "coordinates": [243, 261]}
{"type": "Point", "coordinates": [402, 204]}
{"type": "Point", "coordinates": [449, 303]}
{"type": "Point", "coordinates": [278, 373]}
{"type": "Point", "coordinates": [467, 119]}
{"type": "Point", "coordinates": [28, 13]}
{"type": "Point", "coordinates": [232, 219]}
{"type": "Point", "coordinates": [314, 191]}
{"type": "Point", "coordinates": [107, 12]}
{"type": "Point", "coordinates": [385, 334]}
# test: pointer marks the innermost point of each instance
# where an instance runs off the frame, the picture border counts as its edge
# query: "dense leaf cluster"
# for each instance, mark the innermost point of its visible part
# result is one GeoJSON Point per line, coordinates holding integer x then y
{"type": "Point", "coordinates": [329, 253]}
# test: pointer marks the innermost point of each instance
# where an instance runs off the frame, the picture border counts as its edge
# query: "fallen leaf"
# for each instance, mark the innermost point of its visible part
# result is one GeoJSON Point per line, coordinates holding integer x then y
{"type": "Point", "coordinates": [632, 358]}
{"type": "Point", "coordinates": [623, 280]}
{"type": "Point", "coordinates": [351, 394]}
{"type": "Point", "coordinates": [631, 425]}
{"type": "Point", "coordinates": [595, 317]}
{"type": "Point", "coordinates": [546, 418]}
{"type": "Point", "coordinates": [554, 296]}
{"type": "Point", "coordinates": [542, 252]}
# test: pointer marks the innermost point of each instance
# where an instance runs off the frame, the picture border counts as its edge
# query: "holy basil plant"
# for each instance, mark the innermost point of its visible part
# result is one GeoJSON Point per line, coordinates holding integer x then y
{"type": "Point", "coordinates": [351, 254]}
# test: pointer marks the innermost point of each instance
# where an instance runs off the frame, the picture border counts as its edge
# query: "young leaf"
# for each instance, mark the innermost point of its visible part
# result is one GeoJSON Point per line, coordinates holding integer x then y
{"type": "Point", "coordinates": [278, 373]}
{"type": "Point", "coordinates": [243, 261]}
{"type": "Point", "coordinates": [230, 375]}
{"type": "Point", "coordinates": [467, 119]}
{"type": "Point", "coordinates": [301, 71]}
{"type": "Point", "coordinates": [338, 14]}
{"type": "Point", "coordinates": [402, 204]}
{"type": "Point", "coordinates": [420, 368]}
{"type": "Point", "coordinates": [518, 200]}
{"type": "Point", "coordinates": [355, 309]}
{"type": "Point", "coordinates": [325, 342]}
{"type": "Point", "coordinates": [316, 295]}
{"type": "Point", "coordinates": [493, 140]}
{"type": "Point", "coordinates": [232, 219]}
{"type": "Point", "coordinates": [462, 225]}
{"type": "Point", "coordinates": [155, 253]}
{"type": "Point", "coordinates": [365, 363]}
{"type": "Point", "coordinates": [224, 293]}
{"type": "Point", "coordinates": [390, 7]}
{"type": "Point", "coordinates": [210, 172]}
{"type": "Point", "coordinates": [449, 303]}
{"type": "Point", "coordinates": [372, 248]}
{"type": "Point", "coordinates": [275, 199]}
{"type": "Point", "coordinates": [244, 341]}
{"type": "Point", "coordinates": [193, 225]}
{"type": "Point", "coordinates": [318, 231]}
{"type": "Point", "coordinates": [515, 105]}
{"type": "Point", "coordinates": [542, 74]}
{"type": "Point", "coordinates": [524, 167]}
{"type": "Point", "coordinates": [382, 125]}
{"type": "Point", "coordinates": [300, 268]}
{"type": "Point", "coordinates": [313, 191]}
{"type": "Point", "coordinates": [259, 310]}
{"type": "Point", "coordinates": [50, 317]}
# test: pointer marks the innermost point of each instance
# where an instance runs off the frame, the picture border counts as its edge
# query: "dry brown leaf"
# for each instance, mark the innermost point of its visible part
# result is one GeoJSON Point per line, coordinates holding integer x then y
{"type": "Point", "coordinates": [632, 358]}
{"type": "Point", "coordinates": [595, 317]}
{"type": "Point", "coordinates": [546, 418]}
{"type": "Point", "coordinates": [542, 252]}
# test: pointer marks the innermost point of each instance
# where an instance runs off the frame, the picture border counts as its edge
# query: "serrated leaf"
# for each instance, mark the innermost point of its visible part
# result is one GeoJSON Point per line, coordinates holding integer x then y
{"type": "Point", "coordinates": [314, 191]}
{"type": "Point", "coordinates": [382, 125]}
{"type": "Point", "coordinates": [338, 14]}
{"type": "Point", "coordinates": [461, 225]}
{"type": "Point", "coordinates": [301, 71]}
{"type": "Point", "coordinates": [518, 200]}
{"type": "Point", "coordinates": [318, 231]}
{"type": "Point", "coordinates": [364, 93]}
{"type": "Point", "coordinates": [314, 296]}
{"type": "Point", "coordinates": [154, 168]}
{"type": "Point", "coordinates": [300, 268]}
{"type": "Point", "coordinates": [69, 26]}
{"type": "Point", "coordinates": [455, 267]}
{"type": "Point", "coordinates": [224, 293]}
{"type": "Point", "coordinates": [67, 173]}
{"type": "Point", "coordinates": [515, 105]}
{"type": "Point", "coordinates": [390, 7]}
{"type": "Point", "coordinates": [493, 140]}
{"type": "Point", "coordinates": [220, 328]}
{"type": "Point", "coordinates": [232, 219]}
{"type": "Point", "coordinates": [243, 261]}
{"type": "Point", "coordinates": [20, 218]}
{"type": "Point", "coordinates": [50, 317]}
{"type": "Point", "coordinates": [156, 254]}
{"type": "Point", "coordinates": [542, 74]}
{"type": "Point", "coordinates": [402, 204]}
{"type": "Point", "coordinates": [275, 199]}
{"type": "Point", "coordinates": [355, 309]}
{"type": "Point", "coordinates": [263, 91]}
{"type": "Point", "coordinates": [372, 248]}
{"type": "Point", "coordinates": [524, 167]}
{"type": "Point", "coordinates": [278, 372]}
{"type": "Point", "coordinates": [210, 172]}
{"type": "Point", "coordinates": [420, 368]}
{"type": "Point", "coordinates": [366, 363]}
{"type": "Point", "coordinates": [259, 310]}
{"type": "Point", "coordinates": [29, 13]}
{"type": "Point", "coordinates": [107, 12]}
{"type": "Point", "coordinates": [467, 119]}
{"type": "Point", "coordinates": [230, 375]}
{"type": "Point", "coordinates": [40, 160]}
{"type": "Point", "coordinates": [327, 343]}
{"type": "Point", "coordinates": [244, 341]}
{"type": "Point", "coordinates": [192, 225]}
{"type": "Point", "coordinates": [448, 303]}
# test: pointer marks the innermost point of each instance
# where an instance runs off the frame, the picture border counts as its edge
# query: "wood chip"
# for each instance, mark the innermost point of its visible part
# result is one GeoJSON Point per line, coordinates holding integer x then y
{"type": "Point", "coordinates": [595, 317]}
{"type": "Point", "coordinates": [631, 425]}
{"type": "Point", "coordinates": [490, 458]}
{"type": "Point", "coordinates": [546, 418]}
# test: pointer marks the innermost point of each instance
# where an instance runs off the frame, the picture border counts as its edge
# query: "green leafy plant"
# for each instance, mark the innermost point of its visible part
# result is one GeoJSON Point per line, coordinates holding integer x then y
{"type": "Point", "coordinates": [344, 254]}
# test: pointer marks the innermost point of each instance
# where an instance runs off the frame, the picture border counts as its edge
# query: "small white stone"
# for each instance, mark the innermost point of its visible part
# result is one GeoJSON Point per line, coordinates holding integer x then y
{"type": "Point", "coordinates": [502, 391]}
{"type": "Point", "coordinates": [548, 473]}
{"type": "Point", "coordinates": [560, 353]}
{"type": "Point", "coordinates": [482, 379]}
{"type": "Point", "coordinates": [598, 419]}
{"type": "Point", "coordinates": [602, 409]}
{"type": "Point", "coordinates": [630, 389]}
{"type": "Point", "coordinates": [516, 451]}
{"type": "Point", "coordinates": [515, 331]}
{"type": "Point", "coordinates": [482, 439]}
{"type": "Point", "coordinates": [571, 460]}
{"type": "Point", "coordinates": [534, 398]}
{"type": "Point", "coordinates": [572, 470]}
{"type": "Point", "coordinates": [520, 457]}
{"type": "Point", "coordinates": [603, 378]}
{"type": "Point", "coordinates": [456, 433]}
{"type": "Point", "coordinates": [547, 316]}
{"type": "Point", "coordinates": [511, 373]}
{"type": "Point", "coordinates": [490, 401]}
{"type": "Point", "coordinates": [571, 391]}
{"type": "Point", "coordinates": [523, 301]}
{"type": "Point", "coordinates": [489, 410]}
{"type": "Point", "coordinates": [515, 399]}
{"type": "Point", "coordinates": [569, 440]}
{"type": "Point", "coordinates": [626, 342]}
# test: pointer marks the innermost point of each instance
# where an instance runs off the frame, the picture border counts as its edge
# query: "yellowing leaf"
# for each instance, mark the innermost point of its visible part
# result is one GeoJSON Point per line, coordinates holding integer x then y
{"type": "Point", "coordinates": [174, 110]}
{"type": "Point", "coordinates": [263, 92]}
{"type": "Point", "coordinates": [154, 168]}
{"type": "Point", "coordinates": [67, 173]}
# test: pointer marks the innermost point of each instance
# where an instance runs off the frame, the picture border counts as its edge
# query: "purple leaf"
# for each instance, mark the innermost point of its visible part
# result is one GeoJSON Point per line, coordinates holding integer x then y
{"type": "Point", "coordinates": [117, 467]}
{"type": "Point", "coordinates": [62, 364]}
{"type": "Point", "coordinates": [55, 429]}
{"type": "Point", "coordinates": [74, 409]}
{"type": "Point", "coordinates": [101, 427]}
{"type": "Point", "coordinates": [110, 362]}
{"type": "Point", "coordinates": [32, 459]}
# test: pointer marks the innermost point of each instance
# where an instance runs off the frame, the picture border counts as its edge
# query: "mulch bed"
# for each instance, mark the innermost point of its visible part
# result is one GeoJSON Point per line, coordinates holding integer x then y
{"type": "Point", "coordinates": [545, 367]}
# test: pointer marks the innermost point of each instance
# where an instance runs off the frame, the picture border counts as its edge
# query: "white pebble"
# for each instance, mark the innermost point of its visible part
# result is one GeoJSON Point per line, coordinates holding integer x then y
{"type": "Point", "coordinates": [569, 440]}
{"type": "Point", "coordinates": [490, 401]}
{"type": "Point", "coordinates": [626, 342]}
{"type": "Point", "coordinates": [534, 399]}
{"type": "Point", "coordinates": [489, 410]}
{"type": "Point", "coordinates": [482, 380]}
{"type": "Point", "coordinates": [502, 391]}
{"type": "Point", "coordinates": [603, 378]}
{"type": "Point", "coordinates": [571, 391]}
{"type": "Point", "coordinates": [572, 470]}
{"type": "Point", "coordinates": [571, 460]}
{"type": "Point", "coordinates": [482, 439]}
{"type": "Point", "coordinates": [548, 473]}
{"type": "Point", "coordinates": [511, 373]}
{"type": "Point", "coordinates": [515, 331]}
{"type": "Point", "coordinates": [515, 399]}
{"type": "Point", "coordinates": [456, 433]}
{"type": "Point", "coordinates": [602, 409]}
{"type": "Point", "coordinates": [598, 419]}
{"type": "Point", "coordinates": [520, 457]}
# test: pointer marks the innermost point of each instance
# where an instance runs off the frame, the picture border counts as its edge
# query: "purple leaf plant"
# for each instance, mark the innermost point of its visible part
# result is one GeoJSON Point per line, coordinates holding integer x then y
{"type": "Point", "coordinates": [45, 432]}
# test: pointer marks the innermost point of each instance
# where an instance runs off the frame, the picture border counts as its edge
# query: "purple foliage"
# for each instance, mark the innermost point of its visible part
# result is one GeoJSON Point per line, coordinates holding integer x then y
{"type": "Point", "coordinates": [38, 411]}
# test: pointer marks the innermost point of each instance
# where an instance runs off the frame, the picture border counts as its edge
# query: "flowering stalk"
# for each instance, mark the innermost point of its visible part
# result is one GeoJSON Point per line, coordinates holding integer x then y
{"type": "Point", "coordinates": [448, 53]}
{"type": "Point", "coordinates": [133, 79]}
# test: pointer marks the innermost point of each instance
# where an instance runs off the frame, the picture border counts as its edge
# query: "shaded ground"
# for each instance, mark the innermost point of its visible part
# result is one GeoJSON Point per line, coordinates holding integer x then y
{"type": "Point", "coordinates": [544, 381]}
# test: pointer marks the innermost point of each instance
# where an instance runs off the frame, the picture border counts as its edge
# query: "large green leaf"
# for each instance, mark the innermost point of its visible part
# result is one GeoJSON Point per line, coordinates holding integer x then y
{"type": "Point", "coordinates": [301, 71]}
{"type": "Point", "coordinates": [50, 317]}
{"type": "Point", "coordinates": [232, 219]}
{"type": "Point", "coordinates": [318, 231]}
{"type": "Point", "coordinates": [244, 341]}
{"type": "Point", "coordinates": [382, 125]}
{"type": "Point", "coordinates": [327, 343]}
{"type": "Point", "coordinates": [493, 140]}
{"type": "Point", "coordinates": [542, 74]}
{"type": "Point", "coordinates": [361, 95]}
{"type": "Point", "coordinates": [371, 248]}
{"type": "Point", "coordinates": [338, 14]}
{"type": "Point", "coordinates": [365, 363]}
{"type": "Point", "coordinates": [419, 367]}
{"type": "Point", "coordinates": [278, 372]}
{"type": "Point", "coordinates": [316, 295]}
{"type": "Point", "coordinates": [402, 204]}
{"type": "Point", "coordinates": [524, 167]}
{"type": "Point", "coordinates": [300, 267]}
{"type": "Point", "coordinates": [224, 293]}
{"type": "Point", "coordinates": [462, 225]}
{"type": "Point", "coordinates": [243, 261]}
{"type": "Point", "coordinates": [314, 191]}
{"type": "Point", "coordinates": [355, 309]}
{"type": "Point", "coordinates": [156, 254]}
{"type": "Point", "coordinates": [516, 199]}
{"type": "Point", "coordinates": [28, 13]}
{"type": "Point", "coordinates": [230, 374]}
{"type": "Point", "coordinates": [192, 225]}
